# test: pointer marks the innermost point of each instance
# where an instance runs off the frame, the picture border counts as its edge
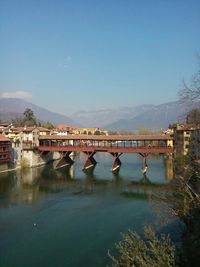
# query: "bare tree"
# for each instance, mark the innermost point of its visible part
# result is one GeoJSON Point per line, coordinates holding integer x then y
{"type": "Point", "coordinates": [192, 91]}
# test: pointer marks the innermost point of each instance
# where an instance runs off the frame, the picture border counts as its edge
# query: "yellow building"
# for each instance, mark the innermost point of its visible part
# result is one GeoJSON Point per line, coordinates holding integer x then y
{"type": "Point", "coordinates": [89, 131]}
{"type": "Point", "coordinates": [170, 142]}
{"type": "Point", "coordinates": [182, 136]}
{"type": "Point", "coordinates": [14, 133]}
{"type": "Point", "coordinates": [43, 131]}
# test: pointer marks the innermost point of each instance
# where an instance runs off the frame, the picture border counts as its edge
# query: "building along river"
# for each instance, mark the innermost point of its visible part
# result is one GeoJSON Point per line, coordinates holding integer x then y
{"type": "Point", "coordinates": [67, 217]}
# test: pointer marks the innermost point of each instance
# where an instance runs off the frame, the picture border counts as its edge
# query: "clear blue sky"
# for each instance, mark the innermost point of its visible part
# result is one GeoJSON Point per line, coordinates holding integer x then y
{"type": "Point", "coordinates": [69, 55]}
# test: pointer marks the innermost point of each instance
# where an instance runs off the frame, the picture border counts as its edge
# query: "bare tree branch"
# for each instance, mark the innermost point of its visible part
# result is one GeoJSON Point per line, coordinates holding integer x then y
{"type": "Point", "coordinates": [191, 92]}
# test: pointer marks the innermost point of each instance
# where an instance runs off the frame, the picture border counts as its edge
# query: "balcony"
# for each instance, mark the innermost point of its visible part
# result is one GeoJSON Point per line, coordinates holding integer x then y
{"type": "Point", "coordinates": [28, 145]}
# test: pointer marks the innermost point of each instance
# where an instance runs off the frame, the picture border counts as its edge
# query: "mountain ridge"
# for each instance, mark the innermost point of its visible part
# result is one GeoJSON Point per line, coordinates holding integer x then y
{"type": "Point", "coordinates": [150, 116]}
{"type": "Point", "coordinates": [12, 108]}
{"type": "Point", "coordinates": [156, 118]}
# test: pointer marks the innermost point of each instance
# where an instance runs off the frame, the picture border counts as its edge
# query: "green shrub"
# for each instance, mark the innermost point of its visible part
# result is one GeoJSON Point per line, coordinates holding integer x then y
{"type": "Point", "coordinates": [150, 252]}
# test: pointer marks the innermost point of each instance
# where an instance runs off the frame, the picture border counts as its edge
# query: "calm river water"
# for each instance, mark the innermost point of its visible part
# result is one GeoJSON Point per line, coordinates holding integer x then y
{"type": "Point", "coordinates": [67, 217]}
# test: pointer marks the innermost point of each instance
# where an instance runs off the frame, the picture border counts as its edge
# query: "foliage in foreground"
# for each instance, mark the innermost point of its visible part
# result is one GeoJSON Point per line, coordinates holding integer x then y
{"type": "Point", "coordinates": [185, 204]}
{"type": "Point", "coordinates": [189, 212]}
{"type": "Point", "coordinates": [136, 252]}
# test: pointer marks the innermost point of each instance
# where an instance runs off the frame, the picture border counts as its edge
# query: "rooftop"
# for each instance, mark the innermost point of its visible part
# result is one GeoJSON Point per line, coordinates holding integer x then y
{"type": "Point", "coordinates": [187, 127]}
{"type": "Point", "coordinates": [3, 138]}
{"type": "Point", "coordinates": [109, 137]}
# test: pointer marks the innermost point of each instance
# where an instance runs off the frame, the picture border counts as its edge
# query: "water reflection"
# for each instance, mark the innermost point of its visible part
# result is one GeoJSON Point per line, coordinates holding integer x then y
{"type": "Point", "coordinates": [145, 180]}
{"type": "Point", "coordinates": [29, 176]}
{"type": "Point", "coordinates": [30, 185]}
{"type": "Point", "coordinates": [169, 169]}
{"type": "Point", "coordinates": [47, 211]}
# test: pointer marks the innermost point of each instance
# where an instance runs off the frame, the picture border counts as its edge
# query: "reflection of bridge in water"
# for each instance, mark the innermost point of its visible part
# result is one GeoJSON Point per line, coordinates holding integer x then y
{"type": "Point", "coordinates": [30, 185]}
{"type": "Point", "coordinates": [115, 145]}
{"type": "Point", "coordinates": [138, 189]}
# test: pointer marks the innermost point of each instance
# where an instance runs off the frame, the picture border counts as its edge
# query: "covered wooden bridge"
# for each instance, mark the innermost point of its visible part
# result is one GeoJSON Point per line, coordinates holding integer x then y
{"type": "Point", "coordinates": [116, 145]}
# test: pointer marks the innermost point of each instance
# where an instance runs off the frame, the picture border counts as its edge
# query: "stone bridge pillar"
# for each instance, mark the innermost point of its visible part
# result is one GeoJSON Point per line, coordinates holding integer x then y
{"type": "Point", "coordinates": [117, 162]}
{"type": "Point", "coordinates": [65, 159]}
{"type": "Point", "coordinates": [144, 163]}
{"type": "Point", "coordinates": [90, 162]}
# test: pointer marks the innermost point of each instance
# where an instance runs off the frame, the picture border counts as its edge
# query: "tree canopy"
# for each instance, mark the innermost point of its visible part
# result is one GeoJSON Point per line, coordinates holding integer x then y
{"type": "Point", "coordinates": [29, 118]}
{"type": "Point", "coordinates": [192, 92]}
{"type": "Point", "coordinates": [152, 251]}
{"type": "Point", "coordinates": [48, 125]}
{"type": "Point", "coordinates": [193, 116]}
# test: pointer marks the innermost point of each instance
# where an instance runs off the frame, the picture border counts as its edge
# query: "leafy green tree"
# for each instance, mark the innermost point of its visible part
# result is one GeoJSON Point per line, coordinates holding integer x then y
{"type": "Point", "coordinates": [48, 125]}
{"type": "Point", "coordinates": [150, 252]}
{"type": "Point", "coordinates": [185, 204]}
{"type": "Point", "coordinates": [97, 132]}
{"type": "Point", "coordinates": [29, 118]}
{"type": "Point", "coordinates": [172, 125]}
{"type": "Point", "coordinates": [28, 114]}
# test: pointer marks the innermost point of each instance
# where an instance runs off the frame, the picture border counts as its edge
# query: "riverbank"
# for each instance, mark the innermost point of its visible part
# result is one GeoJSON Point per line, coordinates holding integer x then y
{"type": "Point", "coordinates": [191, 237]}
{"type": "Point", "coordinates": [10, 170]}
{"type": "Point", "coordinates": [184, 203]}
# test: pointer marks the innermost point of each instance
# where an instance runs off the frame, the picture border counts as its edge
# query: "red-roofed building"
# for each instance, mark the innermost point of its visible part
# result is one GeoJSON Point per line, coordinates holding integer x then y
{"type": "Point", "coordinates": [62, 129]}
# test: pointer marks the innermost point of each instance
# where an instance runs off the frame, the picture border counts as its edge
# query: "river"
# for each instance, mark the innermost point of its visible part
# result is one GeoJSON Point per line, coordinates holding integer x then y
{"type": "Point", "coordinates": [70, 218]}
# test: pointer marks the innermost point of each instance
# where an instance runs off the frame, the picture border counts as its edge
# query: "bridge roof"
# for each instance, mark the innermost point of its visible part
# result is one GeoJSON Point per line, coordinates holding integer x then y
{"type": "Point", "coordinates": [155, 137]}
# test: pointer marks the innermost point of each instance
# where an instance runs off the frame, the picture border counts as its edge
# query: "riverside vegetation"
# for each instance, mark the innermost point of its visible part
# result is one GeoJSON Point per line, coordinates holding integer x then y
{"type": "Point", "coordinates": [159, 251]}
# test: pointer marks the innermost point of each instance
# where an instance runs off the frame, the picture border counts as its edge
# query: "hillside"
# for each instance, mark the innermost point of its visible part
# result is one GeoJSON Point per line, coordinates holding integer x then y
{"type": "Point", "coordinates": [133, 118]}
{"type": "Point", "coordinates": [11, 108]}
{"type": "Point", "coordinates": [154, 117]}
{"type": "Point", "coordinates": [103, 117]}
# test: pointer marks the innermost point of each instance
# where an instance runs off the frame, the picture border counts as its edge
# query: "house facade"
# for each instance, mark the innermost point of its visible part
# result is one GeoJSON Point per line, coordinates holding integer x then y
{"type": "Point", "coordinates": [195, 144]}
{"type": "Point", "coordinates": [5, 152]}
{"type": "Point", "coordinates": [185, 136]}
{"type": "Point", "coordinates": [89, 131]}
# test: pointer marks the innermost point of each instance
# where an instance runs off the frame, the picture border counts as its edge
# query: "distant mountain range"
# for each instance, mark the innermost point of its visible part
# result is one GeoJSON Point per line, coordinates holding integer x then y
{"type": "Point", "coordinates": [104, 117]}
{"type": "Point", "coordinates": [11, 108]}
{"type": "Point", "coordinates": [120, 119]}
{"type": "Point", "coordinates": [154, 117]}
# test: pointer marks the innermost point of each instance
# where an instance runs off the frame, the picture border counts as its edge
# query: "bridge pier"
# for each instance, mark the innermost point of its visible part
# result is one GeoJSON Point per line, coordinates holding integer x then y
{"type": "Point", "coordinates": [144, 163]}
{"type": "Point", "coordinates": [65, 160]}
{"type": "Point", "coordinates": [90, 162]}
{"type": "Point", "coordinates": [43, 153]}
{"type": "Point", "coordinates": [117, 162]}
{"type": "Point", "coordinates": [89, 145]}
